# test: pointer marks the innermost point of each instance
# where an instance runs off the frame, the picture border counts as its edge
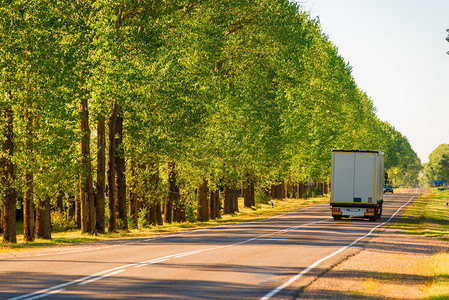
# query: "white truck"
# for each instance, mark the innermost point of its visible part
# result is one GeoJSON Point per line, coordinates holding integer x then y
{"type": "Point", "coordinates": [357, 179]}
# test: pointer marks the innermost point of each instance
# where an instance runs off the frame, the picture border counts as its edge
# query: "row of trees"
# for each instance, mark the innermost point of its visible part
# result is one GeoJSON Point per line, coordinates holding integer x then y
{"type": "Point", "coordinates": [111, 110]}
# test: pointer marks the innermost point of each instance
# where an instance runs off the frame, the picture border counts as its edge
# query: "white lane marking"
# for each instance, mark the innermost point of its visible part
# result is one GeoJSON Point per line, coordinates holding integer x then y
{"type": "Point", "coordinates": [150, 262]}
{"type": "Point", "coordinates": [47, 294]}
{"type": "Point", "coordinates": [101, 277]}
{"type": "Point", "coordinates": [83, 280]}
{"type": "Point", "coordinates": [97, 276]}
{"type": "Point", "coordinates": [56, 288]}
{"type": "Point", "coordinates": [188, 253]}
{"type": "Point", "coordinates": [312, 266]}
{"type": "Point", "coordinates": [168, 236]}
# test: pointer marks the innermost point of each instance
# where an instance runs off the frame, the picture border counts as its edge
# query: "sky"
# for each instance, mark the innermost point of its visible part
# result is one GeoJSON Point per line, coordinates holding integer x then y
{"type": "Point", "coordinates": [397, 50]}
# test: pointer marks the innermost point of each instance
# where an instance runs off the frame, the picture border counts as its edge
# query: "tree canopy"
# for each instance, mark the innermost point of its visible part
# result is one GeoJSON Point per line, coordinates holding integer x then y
{"type": "Point", "coordinates": [202, 91]}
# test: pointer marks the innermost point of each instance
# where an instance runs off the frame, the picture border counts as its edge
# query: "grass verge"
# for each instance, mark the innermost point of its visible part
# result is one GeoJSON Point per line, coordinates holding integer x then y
{"type": "Point", "coordinates": [261, 211]}
{"type": "Point", "coordinates": [429, 216]}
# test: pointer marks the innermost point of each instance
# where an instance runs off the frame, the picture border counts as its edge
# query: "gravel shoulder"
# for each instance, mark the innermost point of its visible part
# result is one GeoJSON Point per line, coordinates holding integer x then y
{"type": "Point", "coordinates": [391, 266]}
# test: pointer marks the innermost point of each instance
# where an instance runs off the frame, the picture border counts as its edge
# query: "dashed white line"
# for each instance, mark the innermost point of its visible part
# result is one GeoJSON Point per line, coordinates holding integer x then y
{"type": "Point", "coordinates": [188, 253]}
{"type": "Point", "coordinates": [101, 277]}
{"type": "Point", "coordinates": [150, 262]}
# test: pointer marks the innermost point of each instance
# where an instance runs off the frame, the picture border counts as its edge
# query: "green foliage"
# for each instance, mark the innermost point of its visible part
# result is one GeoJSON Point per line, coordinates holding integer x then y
{"type": "Point", "coordinates": [261, 196]}
{"type": "Point", "coordinates": [427, 216]}
{"type": "Point", "coordinates": [131, 224]}
{"type": "Point", "coordinates": [191, 214]}
{"type": "Point", "coordinates": [224, 88]}
{"type": "Point", "coordinates": [438, 166]}
{"type": "Point", "coordinates": [60, 222]}
{"type": "Point", "coordinates": [142, 218]}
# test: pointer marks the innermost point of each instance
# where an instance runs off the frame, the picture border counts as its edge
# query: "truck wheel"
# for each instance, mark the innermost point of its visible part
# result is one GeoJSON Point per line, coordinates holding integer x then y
{"type": "Point", "coordinates": [373, 218]}
{"type": "Point", "coordinates": [379, 212]}
{"type": "Point", "coordinates": [337, 218]}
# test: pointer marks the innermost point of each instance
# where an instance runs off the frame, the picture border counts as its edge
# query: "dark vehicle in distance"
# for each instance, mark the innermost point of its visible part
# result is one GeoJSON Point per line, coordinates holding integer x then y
{"type": "Point", "coordinates": [388, 189]}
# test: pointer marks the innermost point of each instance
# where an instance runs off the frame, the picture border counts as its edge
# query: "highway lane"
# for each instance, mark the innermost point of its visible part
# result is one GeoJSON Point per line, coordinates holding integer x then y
{"type": "Point", "coordinates": [271, 258]}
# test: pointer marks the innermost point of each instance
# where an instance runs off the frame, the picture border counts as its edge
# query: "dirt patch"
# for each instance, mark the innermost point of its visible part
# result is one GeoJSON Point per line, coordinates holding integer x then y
{"type": "Point", "coordinates": [392, 266]}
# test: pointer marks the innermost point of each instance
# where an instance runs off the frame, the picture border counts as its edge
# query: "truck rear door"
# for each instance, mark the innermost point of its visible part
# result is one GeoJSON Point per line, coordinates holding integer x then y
{"type": "Point", "coordinates": [343, 177]}
{"type": "Point", "coordinates": [364, 177]}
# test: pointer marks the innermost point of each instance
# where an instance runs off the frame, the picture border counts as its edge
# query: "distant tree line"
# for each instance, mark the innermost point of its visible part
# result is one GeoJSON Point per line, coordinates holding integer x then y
{"type": "Point", "coordinates": [437, 168]}
{"type": "Point", "coordinates": [136, 113]}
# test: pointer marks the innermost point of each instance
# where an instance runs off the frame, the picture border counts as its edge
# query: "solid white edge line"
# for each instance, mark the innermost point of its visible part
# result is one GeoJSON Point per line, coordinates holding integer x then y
{"type": "Point", "coordinates": [312, 266]}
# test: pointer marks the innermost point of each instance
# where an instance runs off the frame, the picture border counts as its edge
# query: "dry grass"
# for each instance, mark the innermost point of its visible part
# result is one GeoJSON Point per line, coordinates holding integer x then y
{"type": "Point", "coordinates": [428, 217]}
{"type": "Point", "coordinates": [410, 260]}
{"type": "Point", "coordinates": [439, 286]}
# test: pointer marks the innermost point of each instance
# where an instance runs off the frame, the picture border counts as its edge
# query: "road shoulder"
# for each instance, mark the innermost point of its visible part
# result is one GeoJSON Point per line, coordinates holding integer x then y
{"type": "Point", "coordinates": [391, 266]}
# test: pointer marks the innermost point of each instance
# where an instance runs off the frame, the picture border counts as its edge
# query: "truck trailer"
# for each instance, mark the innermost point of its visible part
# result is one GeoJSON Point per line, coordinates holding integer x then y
{"type": "Point", "coordinates": [357, 184]}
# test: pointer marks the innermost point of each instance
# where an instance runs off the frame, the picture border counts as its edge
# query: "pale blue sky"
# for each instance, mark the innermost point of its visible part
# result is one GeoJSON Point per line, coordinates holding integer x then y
{"type": "Point", "coordinates": [397, 50]}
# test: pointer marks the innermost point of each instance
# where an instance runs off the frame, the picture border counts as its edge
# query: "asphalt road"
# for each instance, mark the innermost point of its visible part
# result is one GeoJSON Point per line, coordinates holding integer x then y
{"type": "Point", "coordinates": [272, 258]}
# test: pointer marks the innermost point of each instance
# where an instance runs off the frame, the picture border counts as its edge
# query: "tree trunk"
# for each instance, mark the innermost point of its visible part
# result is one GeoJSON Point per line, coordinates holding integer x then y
{"type": "Point", "coordinates": [43, 218]}
{"type": "Point", "coordinates": [214, 204]}
{"type": "Point", "coordinates": [227, 200]}
{"type": "Point", "coordinates": [101, 178]}
{"type": "Point", "coordinates": [59, 204]}
{"type": "Point", "coordinates": [120, 179]}
{"type": "Point", "coordinates": [70, 207]}
{"type": "Point", "coordinates": [112, 222]}
{"type": "Point", "coordinates": [282, 190]}
{"type": "Point", "coordinates": [179, 207]}
{"type": "Point", "coordinates": [253, 193]}
{"type": "Point", "coordinates": [154, 203]}
{"type": "Point", "coordinates": [91, 199]}
{"type": "Point", "coordinates": [29, 225]}
{"type": "Point", "coordinates": [152, 215]}
{"type": "Point", "coordinates": [148, 197]}
{"type": "Point", "coordinates": [203, 202]}
{"type": "Point", "coordinates": [272, 191]}
{"type": "Point", "coordinates": [277, 191]}
{"type": "Point", "coordinates": [171, 192]}
{"type": "Point", "coordinates": [77, 205]}
{"type": "Point", "coordinates": [87, 200]}
{"type": "Point", "coordinates": [85, 136]}
{"type": "Point", "coordinates": [77, 210]}
{"type": "Point", "coordinates": [7, 190]}
{"type": "Point", "coordinates": [235, 199]}
{"type": "Point", "coordinates": [133, 196]}
{"type": "Point", "coordinates": [248, 191]}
